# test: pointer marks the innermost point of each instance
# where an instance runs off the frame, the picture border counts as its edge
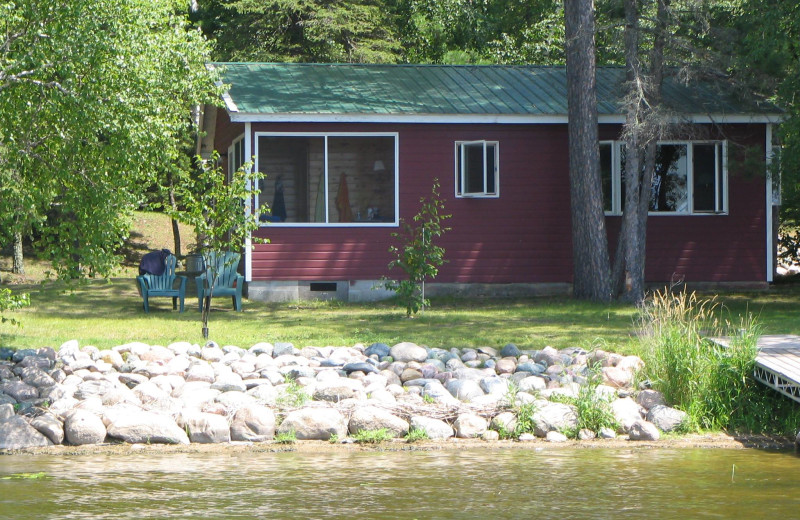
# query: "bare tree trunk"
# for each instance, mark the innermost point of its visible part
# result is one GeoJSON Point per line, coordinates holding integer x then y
{"type": "Point", "coordinates": [641, 132]}
{"type": "Point", "coordinates": [18, 265]}
{"type": "Point", "coordinates": [176, 230]}
{"type": "Point", "coordinates": [591, 270]}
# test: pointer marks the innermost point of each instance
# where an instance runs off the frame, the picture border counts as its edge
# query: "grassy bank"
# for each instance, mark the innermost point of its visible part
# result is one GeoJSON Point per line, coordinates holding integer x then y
{"type": "Point", "coordinates": [106, 314]}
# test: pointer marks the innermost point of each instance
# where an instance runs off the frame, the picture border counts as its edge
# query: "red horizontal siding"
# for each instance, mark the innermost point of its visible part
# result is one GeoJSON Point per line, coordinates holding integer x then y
{"type": "Point", "coordinates": [524, 235]}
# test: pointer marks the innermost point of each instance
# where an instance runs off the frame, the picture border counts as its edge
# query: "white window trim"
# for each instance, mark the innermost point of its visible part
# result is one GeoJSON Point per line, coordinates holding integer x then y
{"type": "Point", "coordinates": [460, 178]}
{"type": "Point", "coordinates": [616, 172]}
{"type": "Point", "coordinates": [232, 155]}
{"type": "Point", "coordinates": [325, 136]}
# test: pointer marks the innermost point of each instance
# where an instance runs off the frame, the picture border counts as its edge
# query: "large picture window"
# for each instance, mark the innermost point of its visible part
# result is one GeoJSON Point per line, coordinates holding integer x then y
{"type": "Point", "coordinates": [689, 178]}
{"type": "Point", "coordinates": [327, 179]}
{"type": "Point", "coordinates": [477, 169]}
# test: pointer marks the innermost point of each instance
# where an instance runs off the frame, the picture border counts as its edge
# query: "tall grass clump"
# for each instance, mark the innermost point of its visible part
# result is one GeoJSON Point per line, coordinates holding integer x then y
{"type": "Point", "coordinates": [710, 382]}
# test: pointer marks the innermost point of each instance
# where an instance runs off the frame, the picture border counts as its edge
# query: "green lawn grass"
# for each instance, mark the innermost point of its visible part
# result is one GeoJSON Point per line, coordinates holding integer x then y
{"type": "Point", "coordinates": [105, 314]}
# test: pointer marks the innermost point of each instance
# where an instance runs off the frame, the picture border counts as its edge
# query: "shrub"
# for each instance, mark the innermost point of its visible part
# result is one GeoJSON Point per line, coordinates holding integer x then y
{"type": "Point", "coordinates": [289, 437]}
{"type": "Point", "coordinates": [294, 395]}
{"type": "Point", "coordinates": [712, 383]}
{"type": "Point", "coordinates": [373, 436]}
{"type": "Point", "coordinates": [418, 256]}
{"type": "Point", "coordinates": [416, 434]}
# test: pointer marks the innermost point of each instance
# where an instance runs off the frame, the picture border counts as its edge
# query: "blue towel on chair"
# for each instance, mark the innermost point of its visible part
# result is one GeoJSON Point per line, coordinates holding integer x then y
{"type": "Point", "coordinates": [154, 262]}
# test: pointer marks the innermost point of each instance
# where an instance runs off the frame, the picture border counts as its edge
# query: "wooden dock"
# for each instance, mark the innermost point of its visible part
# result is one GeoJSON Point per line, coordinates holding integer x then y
{"type": "Point", "coordinates": [777, 363]}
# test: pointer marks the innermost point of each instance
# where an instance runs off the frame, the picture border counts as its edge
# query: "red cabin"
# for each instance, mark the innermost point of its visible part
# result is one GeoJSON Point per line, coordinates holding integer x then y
{"type": "Point", "coordinates": [348, 150]}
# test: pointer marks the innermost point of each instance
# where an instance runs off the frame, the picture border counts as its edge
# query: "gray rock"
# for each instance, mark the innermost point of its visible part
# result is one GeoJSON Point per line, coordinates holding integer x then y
{"type": "Point", "coordinates": [314, 424]}
{"type": "Point", "coordinates": [232, 401]}
{"type": "Point", "coordinates": [643, 431]}
{"type": "Point", "coordinates": [50, 427]}
{"type": "Point", "coordinates": [469, 425]}
{"type": "Point", "coordinates": [556, 437]}
{"type": "Point", "coordinates": [532, 384]}
{"type": "Point", "coordinates": [526, 437]}
{"type": "Point", "coordinates": [36, 377]}
{"type": "Point", "coordinates": [549, 356]}
{"type": "Point", "coordinates": [229, 383]}
{"type": "Point", "coordinates": [205, 428]}
{"type": "Point", "coordinates": [626, 412]}
{"type": "Point", "coordinates": [553, 417]}
{"type": "Point", "coordinates": [532, 368]}
{"type": "Point", "coordinates": [405, 352]}
{"type": "Point", "coordinates": [95, 388]}
{"type": "Point", "coordinates": [435, 429]}
{"type": "Point", "coordinates": [17, 434]}
{"type": "Point", "coordinates": [361, 366]}
{"type": "Point", "coordinates": [264, 394]}
{"type": "Point", "coordinates": [338, 389]}
{"type": "Point", "coordinates": [665, 418]}
{"type": "Point", "coordinates": [377, 349]}
{"type": "Point", "coordinates": [504, 421]}
{"type": "Point", "coordinates": [198, 397]}
{"type": "Point", "coordinates": [262, 348]}
{"type": "Point", "coordinates": [506, 365]}
{"type": "Point", "coordinates": [464, 390]}
{"type": "Point", "coordinates": [296, 371]}
{"type": "Point", "coordinates": [6, 411]}
{"type": "Point", "coordinates": [607, 433]}
{"type": "Point", "coordinates": [253, 423]}
{"type": "Point", "coordinates": [147, 427]}
{"type": "Point", "coordinates": [84, 427]}
{"type": "Point", "coordinates": [21, 354]}
{"type": "Point", "coordinates": [510, 350]}
{"type": "Point", "coordinates": [282, 349]}
{"type": "Point", "coordinates": [490, 436]}
{"type": "Point", "coordinates": [494, 385]}
{"type": "Point", "coordinates": [6, 353]}
{"type": "Point", "coordinates": [586, 435]}
{"type": "Point", "coordinates": [213, 353]}
{"type": "Point", "coordinates": [20, 391]}
{"type": "Point", "coordinates": [436, 391]}
{"type": "Point", "coordinates": [650, 398]}
{"type": "Point", "coordinates": [131, 380]}
{"type": "Point", "coordinates": [373, 418]}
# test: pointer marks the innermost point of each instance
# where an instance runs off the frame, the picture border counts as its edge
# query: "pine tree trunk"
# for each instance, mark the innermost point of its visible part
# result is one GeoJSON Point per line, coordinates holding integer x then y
{"type": "Point", "coordinates": [18, 265]}
{"type": "Point", "coordinates": [176, 230]}
{"type": "Point", "coordinates": [591, 269]}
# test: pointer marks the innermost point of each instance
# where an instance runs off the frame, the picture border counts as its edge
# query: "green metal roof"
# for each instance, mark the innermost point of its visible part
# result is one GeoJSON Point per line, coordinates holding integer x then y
{"type": "Point", "coordinates": [271, 91]}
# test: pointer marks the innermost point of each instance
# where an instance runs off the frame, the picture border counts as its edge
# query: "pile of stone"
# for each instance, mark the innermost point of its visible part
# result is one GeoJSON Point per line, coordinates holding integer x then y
{"type": "Point", "coordinates": [182, 393]}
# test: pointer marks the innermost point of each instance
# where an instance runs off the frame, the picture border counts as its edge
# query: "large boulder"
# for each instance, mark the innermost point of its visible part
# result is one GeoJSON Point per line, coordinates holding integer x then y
{"type": "Point", "coordinates": [19, 390]}
{"type": "Point", "coordinates": [405, 352]}
{"type": "Point", "coordinates": [372, 418]}
{"type": "Point", "coordinates": [550, 417]}
{"type": "Point", "coordinates": [50, 427]}
{"type": "Point", "coordinates": [205, 428]}
{"type": "Point", "coordinates": [314, 424]}
{"type": "Point", "coordinates": [626, 412]}
{"type": "Point", "coordinates": [434, 428]}
{"type": "Point", "coordinates": [84, 427]}
{"type": "Point", "coordinates": [464, 389]}
{"type": "Point", "coordinates": [469, 425]}
{"type": "Point", "coordinates": [643, 431]}
{"type": "Point", "coordinates": [650, 398]}
{"type": "Point", "coordinates": [147, 427]}
{"type": "Point", "coordinates": [16, 434]}
{"type": "Point", "coordinates": [338, 389]}
{"type": "Point", "coordinates": [665, 418]}
{"type": "Point", "coordinates": [254, 423]}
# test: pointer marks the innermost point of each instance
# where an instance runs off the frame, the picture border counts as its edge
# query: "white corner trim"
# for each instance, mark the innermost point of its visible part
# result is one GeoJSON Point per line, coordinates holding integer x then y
{"type": "Point", "coordinates": [768, 203]}
{"type": "Point", "coordinates": [248, 244]}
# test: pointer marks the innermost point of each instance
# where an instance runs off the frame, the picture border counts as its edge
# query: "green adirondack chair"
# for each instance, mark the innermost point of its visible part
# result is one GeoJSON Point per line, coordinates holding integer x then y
{"type": "Point", "coordinates": [163, 285]}
{"type": "Point", "coordinates": [221, 271]}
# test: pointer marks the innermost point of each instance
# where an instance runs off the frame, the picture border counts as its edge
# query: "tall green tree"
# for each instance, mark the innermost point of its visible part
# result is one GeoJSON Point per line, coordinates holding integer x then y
{"type": "Point", "coordinates": [349, 31]}
{"type": "Point", "coordinates": [95, 96]}
{"type": "Point", "coordinates": [591, 269]}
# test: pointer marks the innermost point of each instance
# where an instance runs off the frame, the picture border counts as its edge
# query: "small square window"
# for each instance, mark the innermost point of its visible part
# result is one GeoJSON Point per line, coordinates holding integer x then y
{"type": "Point", "coordinates": [477, 169]}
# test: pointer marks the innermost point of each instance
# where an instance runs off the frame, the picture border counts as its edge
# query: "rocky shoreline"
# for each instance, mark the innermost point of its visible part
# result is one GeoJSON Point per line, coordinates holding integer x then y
{"type": "Point", "coordinates": [143, 395]}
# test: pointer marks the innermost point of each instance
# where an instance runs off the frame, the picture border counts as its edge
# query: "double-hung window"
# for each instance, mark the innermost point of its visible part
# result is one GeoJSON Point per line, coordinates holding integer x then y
{"type": "Point", "coordinates": [477, 169]}
{"type": "Point", "coordinates": [690, 178]}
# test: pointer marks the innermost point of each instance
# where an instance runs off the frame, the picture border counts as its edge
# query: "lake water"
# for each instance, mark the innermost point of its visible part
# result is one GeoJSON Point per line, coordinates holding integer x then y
{"type": "Point", "coordinates": [538, 483]}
